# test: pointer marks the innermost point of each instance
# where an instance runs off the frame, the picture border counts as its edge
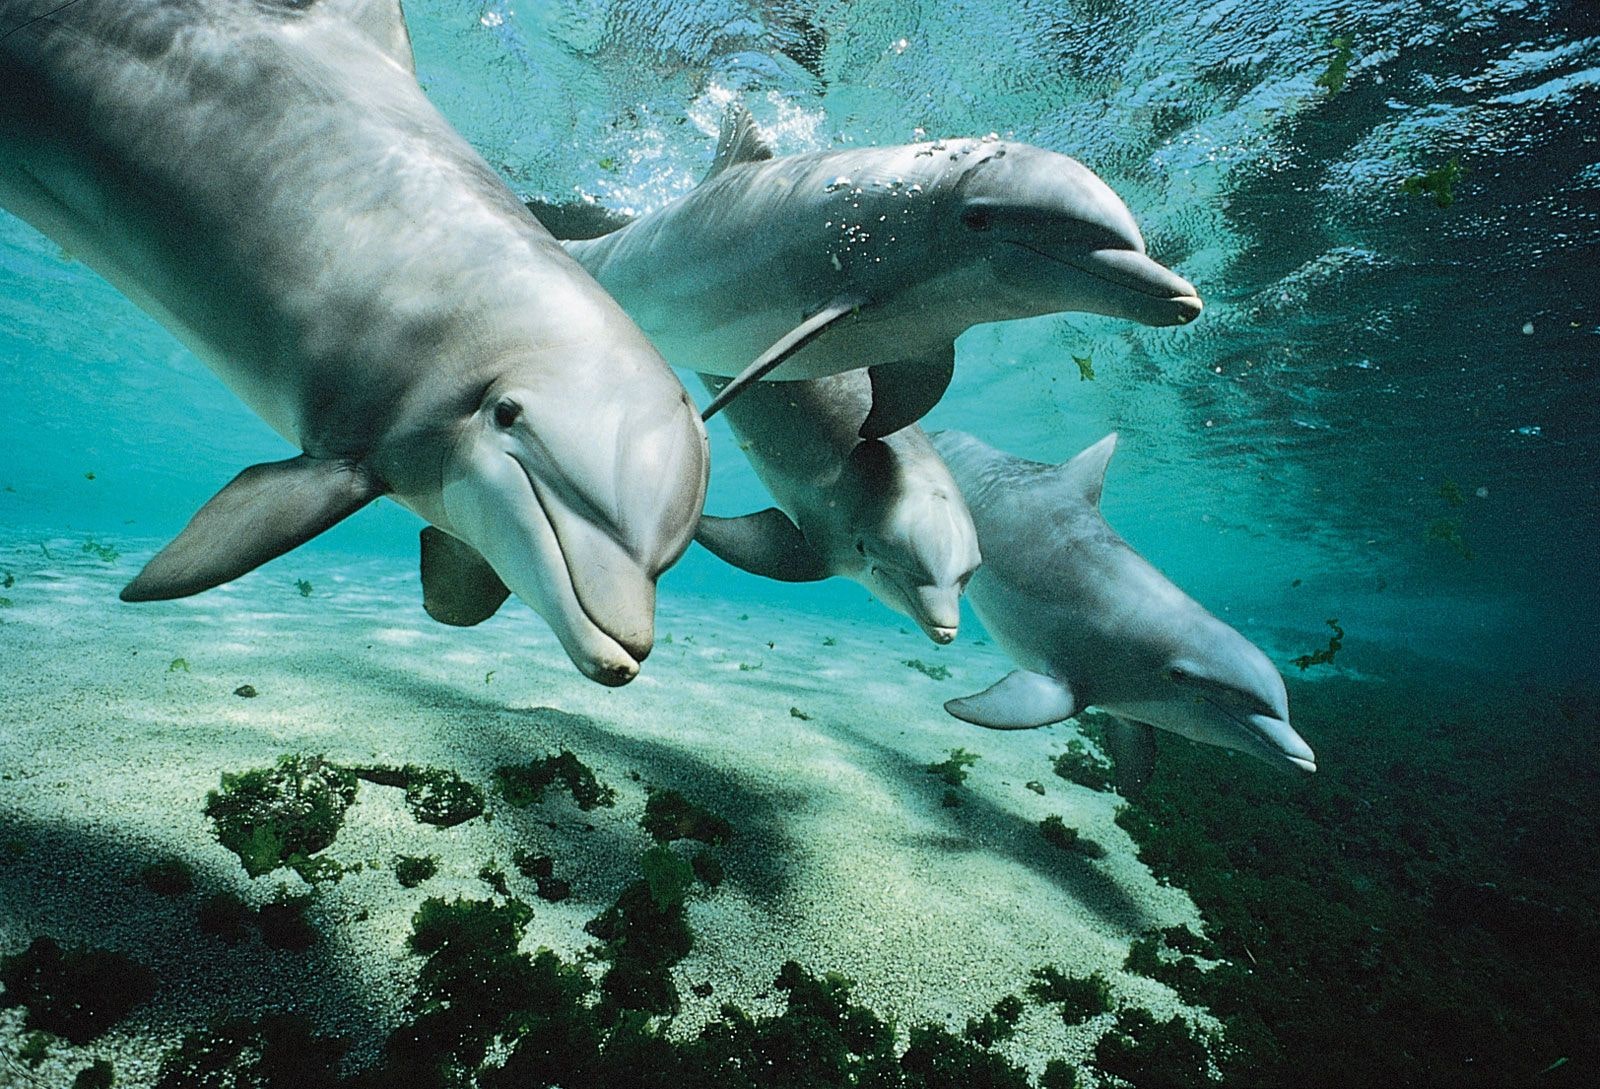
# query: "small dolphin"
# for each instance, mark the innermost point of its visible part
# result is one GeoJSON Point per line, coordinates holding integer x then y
{"type": "Point", "coordinates": [820, 263]}
{"type": "Point", "coordinates": [884, 512]}
{"type": "Point", "coordinates": [268, 180]}
{"type": "Point", "coordinates": [1090, 622]}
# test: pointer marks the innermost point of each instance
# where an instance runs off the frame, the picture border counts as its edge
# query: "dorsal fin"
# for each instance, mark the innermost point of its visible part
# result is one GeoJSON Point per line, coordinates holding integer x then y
{"type": "Point", "coordinates": [1085, 474]}
{"type": "Point", "coordinates": [738, 142]}
{"type": "Point", "coordinates": [381, 20]}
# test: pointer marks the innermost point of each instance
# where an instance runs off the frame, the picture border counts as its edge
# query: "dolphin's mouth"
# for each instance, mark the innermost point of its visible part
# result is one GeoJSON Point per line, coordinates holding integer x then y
{"type": "Point", "coordinates": [1271, 738]}
{"type": "Point", "coordinates": [1161, 296]}
{"type": "Point", "coordinates": [603, 667]}
{"type": "Point", "coordinates": [504, 513]}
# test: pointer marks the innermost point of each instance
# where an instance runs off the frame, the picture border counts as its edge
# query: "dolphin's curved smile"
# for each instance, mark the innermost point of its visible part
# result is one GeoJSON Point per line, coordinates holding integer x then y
{"type": "Point", "coordinates": [570, 606]}
{"type": "Point", "coordinates": [1258, 736]}
{"type": "Point", "coordinates": [1141, 275]}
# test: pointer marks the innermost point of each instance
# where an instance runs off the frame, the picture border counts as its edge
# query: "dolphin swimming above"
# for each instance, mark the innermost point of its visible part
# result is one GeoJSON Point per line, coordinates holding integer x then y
{"type": "Point", "coordinates": [1090, 623]}
{"type": "Point", "coordinates": [884, 512]}
{"type": "Point", "coordinates": [815, 264]}
{"type": "Point", "coordinates": [268, 181]}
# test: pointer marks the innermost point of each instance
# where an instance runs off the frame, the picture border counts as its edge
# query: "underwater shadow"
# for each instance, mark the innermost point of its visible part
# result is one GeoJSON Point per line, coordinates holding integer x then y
{"type": "Point", "coordinates": [979, 822]}
{"type": "Point", "coordinates": [81, 886]}
{"type": "Point", "coordinates": [754, 860]}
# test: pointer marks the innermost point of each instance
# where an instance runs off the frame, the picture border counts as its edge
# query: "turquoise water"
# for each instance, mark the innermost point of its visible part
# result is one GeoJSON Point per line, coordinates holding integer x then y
{"type": "Point", "coordinates": [1388, 414]}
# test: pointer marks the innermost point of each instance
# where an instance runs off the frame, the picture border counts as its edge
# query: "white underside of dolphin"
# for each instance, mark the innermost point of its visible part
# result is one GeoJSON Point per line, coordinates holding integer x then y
{"type": "Point", "coordinates": [269, 182]}
{"type": "Point", "coordinates": [1090, 623]}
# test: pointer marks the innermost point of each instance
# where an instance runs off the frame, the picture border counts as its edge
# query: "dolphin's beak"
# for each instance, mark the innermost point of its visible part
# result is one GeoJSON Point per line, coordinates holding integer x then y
{"type": "Point", "coordinates": [937, 611]}
{"type": "Point", "coordinates": [1153, 294]}
{"type": "Point", "coordinates": [495, 508]}
{"type": "Point", "coordinates": [1278, 742]}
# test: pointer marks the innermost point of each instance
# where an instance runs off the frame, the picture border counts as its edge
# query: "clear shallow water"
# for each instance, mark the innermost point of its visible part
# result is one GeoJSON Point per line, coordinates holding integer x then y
{"type": "Point", "coordinates": [1366, 357]}
{"type": "Point", "coordinates": [1361, 350]}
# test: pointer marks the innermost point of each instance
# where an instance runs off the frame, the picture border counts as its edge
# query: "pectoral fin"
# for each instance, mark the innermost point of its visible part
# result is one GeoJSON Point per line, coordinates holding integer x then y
{"type": "Point", "coordinates": [774, 357]}
{"type": "Point", "coordinates": [459, 587]}
{"type": "Point", "coordinates": [263, 512]}
{"type": "Point", "coordinates": [903, 392]}
{"type": "Point", "coordinates": [1132, 748]}
{"type": "Point", "coordinates": [765, 543]}
{"type": "Point", "coordinates": [1018, 701]}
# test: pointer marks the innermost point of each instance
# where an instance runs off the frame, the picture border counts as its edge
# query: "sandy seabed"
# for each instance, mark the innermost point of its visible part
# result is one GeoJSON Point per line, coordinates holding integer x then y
{"type": "Point", "coordinates": [811, 735]}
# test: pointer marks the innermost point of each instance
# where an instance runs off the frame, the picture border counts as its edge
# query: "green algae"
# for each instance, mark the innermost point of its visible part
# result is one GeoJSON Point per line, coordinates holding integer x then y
{"type": "Point", "coordinates": [1076, 764]}
{"type": "Point", "coordinates": [74, 993]}
{"type": "Point", "coordinates": [932, 672]}
{"type": "Point", "coordinates": [523, 785]}
{"type": "Point", "coordinates": [1338, 70]}
{"type": "Point", "coordinates": [669, 816]}
{"type": "Point", "coordinates": [283, 815]}
{"type": "Point", "coordinates": [435, 796]}
{"type": "Point", "coordinates": [413, 870]}
{"type": "Point", "coordinates": [1420, 915]}
{"type": "Point", "coordinates": [953, 768]}
{"type": "Point", "coordinates": [1057, 834]}
{"type": "Point", "coordinates": [1076, 998]}
{"type": "Point", "coordinates": [100, 1074]}
{"type": "Point", "coordinates": [1085, 367]}
{"type": "Point", "coordinates": [1438, 183]}
{"type": "Point", "coordinates": [1153, 1054]}
{"type": "Point", "coordinates": [1000, 1023]}
{"type": "Point", "coordinates": [277, 1052]}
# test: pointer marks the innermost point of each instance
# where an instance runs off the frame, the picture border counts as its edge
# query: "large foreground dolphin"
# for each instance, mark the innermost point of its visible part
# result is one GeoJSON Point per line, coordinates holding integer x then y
{"type": "Point", "coordinates": [821, 263]}
{"type": "Point", "coordinates": [266, 178]}
{"type": "Point", "coordinates": [884, 512]}
{"type": "Point", "coordinates": [1090, 622]}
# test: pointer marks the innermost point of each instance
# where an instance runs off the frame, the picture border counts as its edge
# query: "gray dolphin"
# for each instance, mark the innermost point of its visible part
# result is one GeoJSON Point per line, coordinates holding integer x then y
{"type": "Point", "coordinates": [1090, 622]}
{"type": "Point", "coordinates": [267, 179]}
{"type": "Point", "coordinates": [884, 512]}
{"type": "Point", "coordinates": [821, 263]}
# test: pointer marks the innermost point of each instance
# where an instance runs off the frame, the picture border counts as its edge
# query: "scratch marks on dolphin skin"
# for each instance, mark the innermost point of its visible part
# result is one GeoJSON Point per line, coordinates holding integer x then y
{"type": "Point", "coordinates": [38, 19]}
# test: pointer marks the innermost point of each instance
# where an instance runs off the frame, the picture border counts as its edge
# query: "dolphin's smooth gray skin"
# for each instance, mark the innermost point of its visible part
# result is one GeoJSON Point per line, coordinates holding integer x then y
{"type": "Point", "coordinates": [1091, 623]}
{"type": "Point", "coordinates": [884, 512]}
{"type": "Point", "coordinates": [821, 263]}
{"type": "Point", "coordinates": [266, 178]}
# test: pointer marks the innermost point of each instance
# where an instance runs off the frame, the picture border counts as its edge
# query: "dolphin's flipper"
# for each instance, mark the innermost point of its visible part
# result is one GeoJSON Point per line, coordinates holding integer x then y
{"type": "Point", "coordinates": [788, 345]}
{"type": "Point", "coordinates": [904, 392]}
{"type": "Point", "coordinates": [739, 141]}
{"type": "Point", "coordinates": [262, 513]}
{"type": "Point", "coordinates": [1018, 701]}
{"type": "Point", "coordinates": [577, 220]}
{"type": "Point", "coordinates": [459, 587]}
{"type": "Point", "coordinates": [765, 543]}
{"type": "Point", "coordinates": [1132, 748]}
{"type": "Point", "coordinates": [383, 22]}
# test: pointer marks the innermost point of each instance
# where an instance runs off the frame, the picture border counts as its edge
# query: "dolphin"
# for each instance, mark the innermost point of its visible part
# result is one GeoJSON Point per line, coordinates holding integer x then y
{"type": "Point", "coordinates": [884, 512]}
{"type": "Point", "coordinates": [1090, 623]}
{"type": "Point", "coordinates": [268, 181]}
{"type": "Point", "coordinates": [820, 263]}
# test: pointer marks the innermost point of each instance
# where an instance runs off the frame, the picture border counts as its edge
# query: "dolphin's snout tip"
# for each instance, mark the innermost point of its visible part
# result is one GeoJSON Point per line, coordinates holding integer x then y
{"type": "Point", "coordinates": [1186, 308]}
{"type": "Point", "coordinates": [613, 674]}
{"type": "Point", "coordinates": [940, 635]}
{"type": "Point", "coordinates": [1307, 766]}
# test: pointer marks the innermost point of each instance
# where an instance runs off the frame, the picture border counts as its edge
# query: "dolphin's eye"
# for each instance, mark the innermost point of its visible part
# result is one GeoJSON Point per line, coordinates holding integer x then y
{"type": "Point", "coordinates": [976, 219]}
{"type": "Point", "coordinates": [506, 413]}
{"type": "Point", "coordinates": [861, 547]}
{"type": "Point", "coordinates": [1178, 675]}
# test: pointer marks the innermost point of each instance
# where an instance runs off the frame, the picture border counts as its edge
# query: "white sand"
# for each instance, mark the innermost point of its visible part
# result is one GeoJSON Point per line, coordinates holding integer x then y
{"type": "Point", "coordinates": [844, 858]}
